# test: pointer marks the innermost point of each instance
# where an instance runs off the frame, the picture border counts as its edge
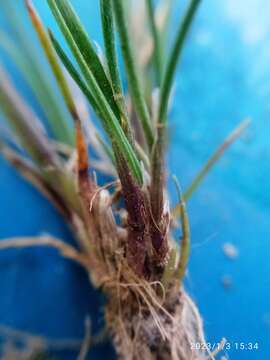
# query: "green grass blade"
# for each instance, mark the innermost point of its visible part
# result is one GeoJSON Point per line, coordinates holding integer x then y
{"type": "Point", "coordinates": [83, 87]}
{"type": "Point", "coordinates": [24, 123]}
{"type": "Point", "coordinates": [42, 90]}
{"type": "Point", "coordinates": [53, 60]}
{"type": "Point", "coordinates": [132, 72]}
{"type": "Point", "coordinates": [84, 182]}
{"type": "Point", "coordinates": [67, 19]}
{"type": "Point", "coordinates": [74, 73]}
{"type": "Point", "coordinates": [29, 62]}
{"type": "Point", "coordinates": [27, 129]}
{"type": "Point", "coordinates": [107, 149]}
{"type": "Point", "coordinates": [159, 147]}
{"type": "Point", "coordinates": [107, 116]}
{"type": "Point", "coordinates": [157, 47]}
{"type": "Point", "coordinates": [109, 43]}
{"type": "Point", "coordinates": [185, 241]}
{"type": "Point", "coordinates": [111, 59]}
{"type": "Point", "coordinates": [214, 158]}
{"type": "Point", "coordinates": [174, 58]}
{"type": "Point", "coordinates": [162, 17]}
{"type": "Point", "coordinates": [115, 132]}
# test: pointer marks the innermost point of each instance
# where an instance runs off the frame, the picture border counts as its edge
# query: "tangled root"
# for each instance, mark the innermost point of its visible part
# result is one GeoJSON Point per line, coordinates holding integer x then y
{"type": "Point", "coordinates": [147, 326]}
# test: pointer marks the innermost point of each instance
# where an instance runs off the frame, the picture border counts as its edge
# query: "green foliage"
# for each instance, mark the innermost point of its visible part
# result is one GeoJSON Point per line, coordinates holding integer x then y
{"type": "Point", "coordinates": [174, 58]}
{"type": "Point", "coordinates": [97, 82]}
{"type": "Point", "coordinates": [101, 85]}
{"type": "Point", "coordinates": [132, 72]}
{"type": "Point", "coordinates": [185, 241]}
{"type": "Point", "coordinates": [112, 62]}
{"type": "Point", "coordinates": [159, 148]}
{"type": "Point", "coordinates": [74, 73]}
{"type": "Point", "coordinates": [24, 55]}
{"type": "Point", "coordinates": [25, 124]}
{"type": "Point", "coordinates": [76, 35]}
{"type": "Point", "coordinates": [214, 158]}
{"type": "Point", "coordinates": [135, 126]}
{"type": "Point", "coordinates": [157, 53]}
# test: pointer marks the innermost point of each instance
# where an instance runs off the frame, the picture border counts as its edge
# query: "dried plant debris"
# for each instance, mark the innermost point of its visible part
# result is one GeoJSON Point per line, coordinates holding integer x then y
{"type": "Point", "coordinates": [124, 228]}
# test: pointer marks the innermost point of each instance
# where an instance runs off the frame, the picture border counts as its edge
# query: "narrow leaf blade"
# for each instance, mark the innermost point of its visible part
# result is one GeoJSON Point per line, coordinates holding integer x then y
{"type": "Point", "coordinates": [68, 19]}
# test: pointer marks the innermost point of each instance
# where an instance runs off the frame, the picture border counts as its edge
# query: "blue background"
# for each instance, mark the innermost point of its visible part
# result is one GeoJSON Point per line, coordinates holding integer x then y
{"type": "Point", "coordinates": [224, 77]}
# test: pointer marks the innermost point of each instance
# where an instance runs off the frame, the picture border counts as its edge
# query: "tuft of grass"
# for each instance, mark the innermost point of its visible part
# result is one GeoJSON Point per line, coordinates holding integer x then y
{"type": "Point", "coordinates": [134, 246]}
{"type": "Point", "coordinates": [97, 82]}
{"type": "Point", "coordinates": [60, 167]}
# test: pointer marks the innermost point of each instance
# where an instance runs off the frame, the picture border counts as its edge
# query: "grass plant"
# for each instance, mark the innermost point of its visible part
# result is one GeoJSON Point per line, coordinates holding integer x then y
{"type": "Point", "coordinates": [136, 260]}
